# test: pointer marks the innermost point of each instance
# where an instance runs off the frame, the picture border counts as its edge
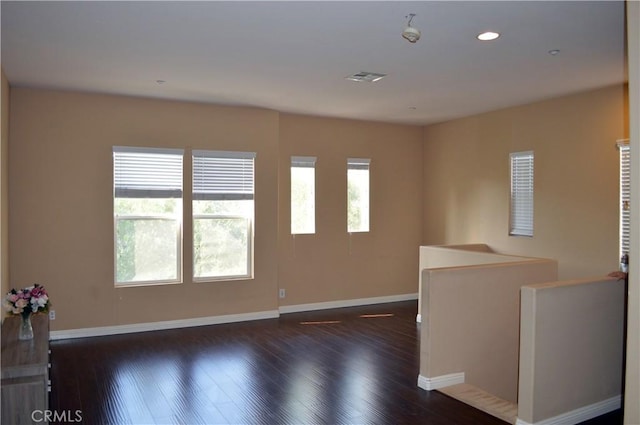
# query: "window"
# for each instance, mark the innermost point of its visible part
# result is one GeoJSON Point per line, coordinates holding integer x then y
{"type": "Point", "coordinates": [223, 206]}
{"type": "Point", "coordinates": [303, 195]}
{"type": "Point", "coordinates": [521, 220]}
{"type": "Point", "coordinates": [358, 195]}
{"type": "Point", "coordinates": [625, 195]}
{"type": "Point", "coordinates": [147, 209]}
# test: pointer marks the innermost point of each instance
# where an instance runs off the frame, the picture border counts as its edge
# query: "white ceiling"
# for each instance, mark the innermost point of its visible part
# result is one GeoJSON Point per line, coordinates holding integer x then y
{"type": "Point", "coordinates": [293, 56]}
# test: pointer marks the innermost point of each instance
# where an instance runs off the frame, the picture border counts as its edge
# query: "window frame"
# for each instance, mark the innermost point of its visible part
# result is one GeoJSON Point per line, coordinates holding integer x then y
{"type": "Point", "coordinates": [359, 164]}
{"type": "Point", "coordinates": [128, 187]}
{"type": "Point", "coordinates": [521, 199]}
{"type": "Point", "coordinates": [302, 162]}
{"type": "Point", "coordinates": [216, 192]}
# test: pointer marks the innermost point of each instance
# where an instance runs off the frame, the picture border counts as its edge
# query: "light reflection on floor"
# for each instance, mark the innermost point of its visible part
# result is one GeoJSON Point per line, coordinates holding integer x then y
{"type": "Point", "coordinates": [375, 316]}
{"type": "Point", "coordinates": [133, 379]}
{"type": "Point", "coordinates": [224, 386]}
{"type": "Point", "coordinates": [322, 322]}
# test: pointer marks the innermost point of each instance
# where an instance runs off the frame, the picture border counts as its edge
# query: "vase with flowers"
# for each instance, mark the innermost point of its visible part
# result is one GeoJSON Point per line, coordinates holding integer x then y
{"type": "Point", "coordinates": [25, 302]}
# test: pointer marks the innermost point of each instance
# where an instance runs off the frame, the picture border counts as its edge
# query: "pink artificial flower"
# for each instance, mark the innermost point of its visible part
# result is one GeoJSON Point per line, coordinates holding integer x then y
{"type": "Point", "coordinates": [37, 291]}
{"type": "Point", "coordinates": [33, 298]}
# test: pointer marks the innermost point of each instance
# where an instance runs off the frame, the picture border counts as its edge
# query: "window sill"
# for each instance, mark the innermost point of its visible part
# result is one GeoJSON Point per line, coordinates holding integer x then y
{"type": "Point", "coordinates": [149, 283]}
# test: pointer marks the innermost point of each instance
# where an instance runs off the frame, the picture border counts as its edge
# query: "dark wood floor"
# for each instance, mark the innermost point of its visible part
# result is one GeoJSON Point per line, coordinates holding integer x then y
{"type": "Point", "coordinates": [346, 366]}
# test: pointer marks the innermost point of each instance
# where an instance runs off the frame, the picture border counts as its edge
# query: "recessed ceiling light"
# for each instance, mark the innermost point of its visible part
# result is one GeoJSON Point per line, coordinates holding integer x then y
{"type": "Point", "coordinates": [160, 81]}
{"type": "Point", "coordinates": [554, 52]}
{"type": "Point", "coordinates": [488, 36]}
{"type": "Point", "coordinates": [368, 77]}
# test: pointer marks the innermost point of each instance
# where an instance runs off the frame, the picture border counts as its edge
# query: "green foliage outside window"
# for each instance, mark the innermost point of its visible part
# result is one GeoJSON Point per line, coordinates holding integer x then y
{"type": "Point", "coordinates": [146, 239]}
{"type": "Point", "coordinates": [221, 238]}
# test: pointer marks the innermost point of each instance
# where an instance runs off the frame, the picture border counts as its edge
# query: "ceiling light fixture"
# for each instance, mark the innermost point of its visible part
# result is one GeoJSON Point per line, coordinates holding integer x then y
{"type": "Point", "coordinates": [553, 52]}
{"type": "Point", "coordinates": [488, 36]}
{"type": "Point", "coordinates": [411, 34]}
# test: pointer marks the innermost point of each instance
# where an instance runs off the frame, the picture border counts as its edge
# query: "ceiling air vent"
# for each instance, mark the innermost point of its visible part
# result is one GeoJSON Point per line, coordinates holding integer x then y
{"type": "Point", "coordinates": [368, 77]}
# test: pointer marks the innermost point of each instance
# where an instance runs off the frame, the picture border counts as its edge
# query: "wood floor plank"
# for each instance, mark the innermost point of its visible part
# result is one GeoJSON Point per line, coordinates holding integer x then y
{"type": "Point", "coordinates": [338, 368]}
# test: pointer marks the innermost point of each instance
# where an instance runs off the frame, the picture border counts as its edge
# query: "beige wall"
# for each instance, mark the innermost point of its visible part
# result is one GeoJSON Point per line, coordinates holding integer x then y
{"type": "Point", "coordinates": [62, 214]}
{"type": "Point", "coordinates": [332, 265]}
{"type": "Point", "coordinates": [571, 347]}
{"type": "Point", "coordinates": [4, 187]}
{"type": "Point", "coordinates": [456, 256]}
{"type": "Point", "coordinates": [466, 179]}
{"type": "Point", "coordinates": [62, 220]}
{"type": "Point", "coordinates": [632, 390]}
{"type": "Point", "coordinates": [470, 322]}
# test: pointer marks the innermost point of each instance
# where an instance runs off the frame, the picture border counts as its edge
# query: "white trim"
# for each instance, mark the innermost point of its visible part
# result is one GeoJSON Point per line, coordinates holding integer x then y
{"type": "Point", "coordinates": [156, 326]}
{"type": "Point", "coordinates": [580, 415]}
{"type": "Point", "coordinates": [358, 161]}
{"type": "Point", "coordinates": [140, 149]}
{"type": "Point", "coordinates": [229, 318]}
{"type": "Point", "coordinates": [346, 303]}
{"type": "Point", "coordinates": [620, 143]}
{"type": "Point", "coordinates": [223, 154]}
{"type": "Point", "coordinates": [440, 381]}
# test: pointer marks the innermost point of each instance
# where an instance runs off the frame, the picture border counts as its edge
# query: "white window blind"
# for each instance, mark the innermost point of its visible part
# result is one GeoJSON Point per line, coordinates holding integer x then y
{"type": "Point", "coordinates": [625, 196]}
{"type": "Point", "coordinates": [521, 219]}
{"type": "Point", "coordinates": [147, 172]}
{"type": "Point", "coordinates": [303, 161]}
{"type": "Point", "coordinates": [358, 163]}
{"type": "Point", "coordinates": [221, 175]}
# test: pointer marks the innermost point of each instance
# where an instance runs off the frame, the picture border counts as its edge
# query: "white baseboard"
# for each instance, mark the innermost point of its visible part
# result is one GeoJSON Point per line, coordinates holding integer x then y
{"type": "Point", "coordinates": [155, 326]}
{"type": "Point", "coordinates": [440, 381]}
{"type": "Point", "coordinates": [580, 415]}
{"type": "Point", "coordinates": [346, 303]}
{"type": "Point", "coordinates": [216, 320]}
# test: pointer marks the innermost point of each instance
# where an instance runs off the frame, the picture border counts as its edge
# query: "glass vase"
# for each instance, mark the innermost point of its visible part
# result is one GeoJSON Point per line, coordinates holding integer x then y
{"type": "Point", "coordinates": [26, 330]}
